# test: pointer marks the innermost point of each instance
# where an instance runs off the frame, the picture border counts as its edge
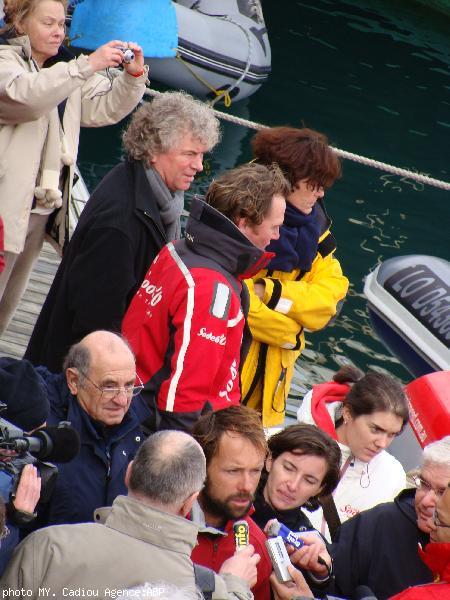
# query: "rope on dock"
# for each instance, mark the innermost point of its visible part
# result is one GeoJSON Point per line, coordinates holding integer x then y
{"type": "Point", "coordinates": [370, 162]}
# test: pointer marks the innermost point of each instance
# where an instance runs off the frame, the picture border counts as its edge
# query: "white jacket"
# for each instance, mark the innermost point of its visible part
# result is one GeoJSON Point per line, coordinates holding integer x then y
{"type": "Point", "coordinates": [27, 96]}
{"type": "Point", "coordinates": [362, 485]}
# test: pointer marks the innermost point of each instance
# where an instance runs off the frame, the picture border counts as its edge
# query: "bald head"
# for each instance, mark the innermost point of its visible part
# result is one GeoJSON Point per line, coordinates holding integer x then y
{"type": "Point", "coordinates": [99, 343]}
{"type": "Point", "coordinates": [101, 362]}
{"type": "Point", "coordinates": [169, 467]}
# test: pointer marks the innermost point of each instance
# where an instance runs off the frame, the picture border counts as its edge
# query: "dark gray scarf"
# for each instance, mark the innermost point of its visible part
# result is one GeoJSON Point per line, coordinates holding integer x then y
{"type": "Point", "coordinates": [170, 205]}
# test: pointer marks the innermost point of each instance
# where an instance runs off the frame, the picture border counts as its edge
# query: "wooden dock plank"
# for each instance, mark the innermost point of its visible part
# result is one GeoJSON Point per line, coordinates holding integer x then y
{"type": "Point", "coordinates": [15, 339]}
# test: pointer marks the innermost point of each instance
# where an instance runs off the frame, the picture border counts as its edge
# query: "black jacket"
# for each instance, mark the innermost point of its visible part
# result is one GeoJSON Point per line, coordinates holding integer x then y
{"type": "Point", "coordinates": [117, 237]}
{"type": "Point", "coordinates": [378, 548]}
{"type": "Point", "coordinates": [296, 520]}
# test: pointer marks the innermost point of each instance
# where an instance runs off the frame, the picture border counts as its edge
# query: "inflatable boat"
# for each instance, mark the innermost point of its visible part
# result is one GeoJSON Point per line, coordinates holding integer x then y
{"type": "Point", "coordinates": [409, 306]}
{"type": "Point", "coordinates": [217, 49]}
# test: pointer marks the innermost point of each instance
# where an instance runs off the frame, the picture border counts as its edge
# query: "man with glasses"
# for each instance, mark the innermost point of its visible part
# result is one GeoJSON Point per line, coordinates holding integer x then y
{"type": "Point", "coordinates": [436, 556]}
{"type": "Point", "coordinates": [98, 393]}
{"type": "Point", "coordinates": [379, 547]}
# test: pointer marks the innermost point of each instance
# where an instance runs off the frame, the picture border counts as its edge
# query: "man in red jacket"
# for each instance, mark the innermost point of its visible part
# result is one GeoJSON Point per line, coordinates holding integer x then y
{"type": "Point", "coordinates": [235, 447]}
{"type": "Point", "coordinates": [186, 321]}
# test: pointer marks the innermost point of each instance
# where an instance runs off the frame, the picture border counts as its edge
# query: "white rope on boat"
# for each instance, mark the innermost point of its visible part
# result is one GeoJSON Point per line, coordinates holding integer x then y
{"type": "Point", "coordinates": [370, 162]}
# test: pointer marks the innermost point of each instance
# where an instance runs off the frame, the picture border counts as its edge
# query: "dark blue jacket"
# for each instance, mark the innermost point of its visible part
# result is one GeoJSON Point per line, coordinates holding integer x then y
{"type": "Point", "coordinates": [96, 476]}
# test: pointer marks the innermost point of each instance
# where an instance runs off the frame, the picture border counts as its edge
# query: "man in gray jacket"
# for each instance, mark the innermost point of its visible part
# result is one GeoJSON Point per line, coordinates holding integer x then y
{"type": "Point", "coordinates": [142, 537]}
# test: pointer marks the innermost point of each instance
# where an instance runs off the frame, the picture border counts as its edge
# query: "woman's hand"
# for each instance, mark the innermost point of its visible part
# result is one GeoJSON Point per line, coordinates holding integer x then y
{"type": "Point", "coordinates": [111, 55]}
{"type": "Point", "coordinates": [307, 557]}
{"type": "Point", "coordinates": [136, 66]}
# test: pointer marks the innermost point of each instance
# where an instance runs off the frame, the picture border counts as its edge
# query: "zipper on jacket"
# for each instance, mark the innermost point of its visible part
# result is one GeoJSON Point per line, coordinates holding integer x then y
{"type": "Point", "coordinates": [108, 473]}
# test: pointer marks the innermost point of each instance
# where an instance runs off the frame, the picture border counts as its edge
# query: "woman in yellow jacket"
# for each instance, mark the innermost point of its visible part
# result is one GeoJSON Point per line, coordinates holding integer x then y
{"type": "Point", "coordinates": [303, 285]}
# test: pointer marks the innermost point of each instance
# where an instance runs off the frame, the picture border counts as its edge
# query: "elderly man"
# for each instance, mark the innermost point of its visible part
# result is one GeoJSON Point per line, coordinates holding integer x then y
{"type": "Point", "coordinates": [96, 393]}
{"type": "Point", "coordinates": [235, 447]}
{"type": "Point", "coordinates": [142, 537]}
{"type": "Point", "coordinates": [378, 547]}
{"type": "Point", "coordinates": [186, 322]}
{"type": "Point", "coordinates": [130, 216]}
{"type": "Point", "coordinates": [436, 556]}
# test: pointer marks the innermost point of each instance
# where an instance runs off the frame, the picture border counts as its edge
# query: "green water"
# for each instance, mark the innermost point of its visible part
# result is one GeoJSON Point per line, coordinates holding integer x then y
{"type": "Point", "coordinates": [374, 76]}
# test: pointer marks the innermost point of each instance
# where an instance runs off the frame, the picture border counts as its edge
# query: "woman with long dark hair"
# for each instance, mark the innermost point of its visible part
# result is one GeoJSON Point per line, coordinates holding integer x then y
{"type": "Point", "coordinates": [363, 413]}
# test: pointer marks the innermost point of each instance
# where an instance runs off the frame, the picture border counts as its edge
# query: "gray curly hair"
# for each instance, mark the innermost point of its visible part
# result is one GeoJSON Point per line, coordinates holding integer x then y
{"type": "Point", "coordinates": [157, 126]}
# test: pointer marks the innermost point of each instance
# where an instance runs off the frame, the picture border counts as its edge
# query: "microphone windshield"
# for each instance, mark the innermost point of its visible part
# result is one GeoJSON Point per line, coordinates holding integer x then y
{"type": "Point", "coordinates": [56, 444]}
{"type": "Point", "coordinates": [273, 529]}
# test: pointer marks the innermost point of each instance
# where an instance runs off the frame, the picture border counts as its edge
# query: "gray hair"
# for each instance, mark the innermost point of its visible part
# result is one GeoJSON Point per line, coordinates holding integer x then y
{"type": "Point", "coordinates": [79, 358]}
{"type": "Point", "coordinates": [163, 591]}
{"type": "Point", "coordinates": [168, 468]}
{"type": "Point", "coordinates": [437, 452]}
{"type": "Point", "coordinates": [158, 126]}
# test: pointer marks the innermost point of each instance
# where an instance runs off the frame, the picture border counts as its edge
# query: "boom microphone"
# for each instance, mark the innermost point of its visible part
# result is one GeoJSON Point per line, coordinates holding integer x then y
{"type": "Point", "coordinates": [58, 444]}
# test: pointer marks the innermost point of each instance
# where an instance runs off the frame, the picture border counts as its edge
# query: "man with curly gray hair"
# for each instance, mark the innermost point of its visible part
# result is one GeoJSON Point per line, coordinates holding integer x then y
{"type": "Point", "coordinates": [130, 216]}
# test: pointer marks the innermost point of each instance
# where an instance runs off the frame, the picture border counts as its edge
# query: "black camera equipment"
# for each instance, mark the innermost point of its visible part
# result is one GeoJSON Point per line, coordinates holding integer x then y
{"type": "Point", "coordinates": [17, 449]}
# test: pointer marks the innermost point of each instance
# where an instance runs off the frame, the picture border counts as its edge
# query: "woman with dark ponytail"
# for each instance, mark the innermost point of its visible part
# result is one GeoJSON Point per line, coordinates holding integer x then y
{"type": "Point", "coordinates": [363, 413]}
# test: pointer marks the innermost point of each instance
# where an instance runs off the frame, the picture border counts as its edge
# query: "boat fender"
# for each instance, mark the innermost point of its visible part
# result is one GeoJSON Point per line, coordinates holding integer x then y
{"type": "Point", "coordinates": [429, 406]}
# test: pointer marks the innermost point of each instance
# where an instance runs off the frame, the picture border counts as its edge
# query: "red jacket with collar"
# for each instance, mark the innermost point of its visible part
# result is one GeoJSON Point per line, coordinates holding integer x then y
{"type": "Point", "coordinates": [437, 558]}
{"type": "Point", "coordinates": [213, 549]}
{"type": "Point", "coordinates": [185, 324]}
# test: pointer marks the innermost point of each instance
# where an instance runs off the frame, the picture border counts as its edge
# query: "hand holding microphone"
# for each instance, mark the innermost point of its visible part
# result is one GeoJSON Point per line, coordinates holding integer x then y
{"type": "Point", "coordinates": [309, 550]}
{"type": "Point", "coordinates": [242, 564]}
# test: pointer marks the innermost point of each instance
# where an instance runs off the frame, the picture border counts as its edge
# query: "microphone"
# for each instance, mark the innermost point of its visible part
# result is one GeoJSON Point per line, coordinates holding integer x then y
{"type": "Point", "coordinates": [363, 592]}
{"type": "Point", "coordinates": [58, 444]}
{"type": "Point", "coordinates": [276, 528]}
{"type": "Point", "coordinates": [241, 535]}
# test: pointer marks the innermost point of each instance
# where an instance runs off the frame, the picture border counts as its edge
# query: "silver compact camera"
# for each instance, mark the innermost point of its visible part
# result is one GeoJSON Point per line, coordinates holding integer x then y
{"type": "Point", "coordinates": [279, 557]}
{"type": "Point", "coordinates": [128, 54]}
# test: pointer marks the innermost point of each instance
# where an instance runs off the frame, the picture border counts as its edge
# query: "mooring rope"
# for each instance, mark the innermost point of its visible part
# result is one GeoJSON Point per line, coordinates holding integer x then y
{"type": "Point", "coordinates": [370, 162]}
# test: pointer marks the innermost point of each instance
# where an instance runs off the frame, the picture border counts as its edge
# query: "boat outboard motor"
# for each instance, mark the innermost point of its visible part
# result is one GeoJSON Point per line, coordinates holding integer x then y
{"type": "Point", "coordinates": [429, 406]}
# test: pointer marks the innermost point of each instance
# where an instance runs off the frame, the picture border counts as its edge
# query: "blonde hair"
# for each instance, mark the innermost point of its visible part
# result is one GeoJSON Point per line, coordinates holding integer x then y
{"type": "Point", "coordinates": [16, 11]}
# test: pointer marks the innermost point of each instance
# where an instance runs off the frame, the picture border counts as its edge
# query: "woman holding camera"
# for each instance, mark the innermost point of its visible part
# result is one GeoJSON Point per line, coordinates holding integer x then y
{"type": "Point", "coordinates": [363, 413]}
{"type": "Point", "coordinates": [43, 103]}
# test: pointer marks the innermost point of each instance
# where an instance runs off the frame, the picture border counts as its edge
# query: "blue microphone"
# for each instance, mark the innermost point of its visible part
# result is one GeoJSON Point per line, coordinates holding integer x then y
{"type": "Point", "coordinates": [277, 528]}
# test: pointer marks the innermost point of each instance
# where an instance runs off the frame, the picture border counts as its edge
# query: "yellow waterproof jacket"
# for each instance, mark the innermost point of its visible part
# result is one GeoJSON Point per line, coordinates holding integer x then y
{"type": "Point", "coordinates": [293, 302]}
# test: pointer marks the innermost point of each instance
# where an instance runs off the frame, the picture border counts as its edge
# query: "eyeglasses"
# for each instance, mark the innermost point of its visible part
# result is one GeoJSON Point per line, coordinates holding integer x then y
{"type": "Point", "coordinates": [439, 523]}
{"type": "Point", "coordinates": [112, 392]}
{"type": "Point", "coordinates": [425, 487]}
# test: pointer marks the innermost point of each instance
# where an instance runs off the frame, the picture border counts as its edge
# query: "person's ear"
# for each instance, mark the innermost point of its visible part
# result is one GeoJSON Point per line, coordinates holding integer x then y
{"type": "Point", "coordinates": [72, 378]}
{"type": "Point", "coordinates": [243, 225]}
{"type": "Point", "coordinates": [346, 415]}
{"type": "Point", "coordinates": [128, 474]}
{"type": "Point", "coordinates": [187, 505]}
{"type": "Point", "coordinates": [269, 463]}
